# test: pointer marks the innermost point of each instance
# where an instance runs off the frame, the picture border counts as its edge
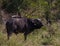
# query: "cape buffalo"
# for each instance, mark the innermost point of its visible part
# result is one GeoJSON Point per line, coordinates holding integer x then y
{"type": "Point", "coordinates": [22, 25]}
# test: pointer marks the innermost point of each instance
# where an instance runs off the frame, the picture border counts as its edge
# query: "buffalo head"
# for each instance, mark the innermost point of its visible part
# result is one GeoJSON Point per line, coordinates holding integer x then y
{"type": "Point", "coordinates": [37, 23]}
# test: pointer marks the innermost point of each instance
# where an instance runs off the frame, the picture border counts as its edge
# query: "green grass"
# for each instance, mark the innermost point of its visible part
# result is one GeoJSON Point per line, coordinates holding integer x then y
{"type": "Point", "coordinates": [39, 37]}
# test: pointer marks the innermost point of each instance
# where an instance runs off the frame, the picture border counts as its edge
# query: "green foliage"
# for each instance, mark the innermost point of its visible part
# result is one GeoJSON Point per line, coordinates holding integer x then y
{"type": "Point", "coordinates": [16, 5]}
{"type": "Point", "coordinates": [38, 8]}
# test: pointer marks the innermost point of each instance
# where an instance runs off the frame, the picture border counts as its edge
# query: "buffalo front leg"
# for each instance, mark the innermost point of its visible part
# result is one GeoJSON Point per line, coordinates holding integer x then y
{"type": "Point", "coordinates": [8, 35]}
{"type": "Point", "coordinates": [25, 36]}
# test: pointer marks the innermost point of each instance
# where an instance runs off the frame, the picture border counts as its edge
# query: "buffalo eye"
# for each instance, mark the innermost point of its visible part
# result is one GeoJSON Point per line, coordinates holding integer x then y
{"type": "Point", "coordinates": [34, 24]}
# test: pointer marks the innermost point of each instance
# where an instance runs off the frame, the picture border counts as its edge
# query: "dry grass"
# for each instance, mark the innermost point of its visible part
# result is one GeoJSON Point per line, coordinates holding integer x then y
{"type": "Point", "coordinates": [37, 38]}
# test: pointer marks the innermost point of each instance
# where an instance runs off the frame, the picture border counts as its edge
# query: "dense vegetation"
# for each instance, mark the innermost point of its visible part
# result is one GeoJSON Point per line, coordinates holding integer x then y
{"type": "Point", "coordinates": [49, 13]}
